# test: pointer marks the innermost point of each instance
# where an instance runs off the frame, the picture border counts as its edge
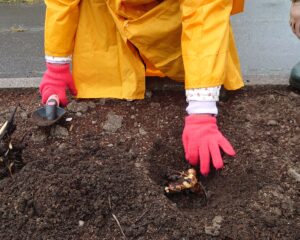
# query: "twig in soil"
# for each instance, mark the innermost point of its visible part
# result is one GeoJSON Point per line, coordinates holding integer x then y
{"type": "Point", "coordinates": [119, 225]}
{"type": "Point", "coordinates": [279, 93]}
{"type": "Point", "coordinates": [140, 217]}
{"type": "Point", "coordinates": [8, 127]}
{"type": "Point", "coordinates": [109, 202]}
{"type": "Point", "coordinates": [10, 154]}
{"type": "Point", "coordinates": [10, 169]}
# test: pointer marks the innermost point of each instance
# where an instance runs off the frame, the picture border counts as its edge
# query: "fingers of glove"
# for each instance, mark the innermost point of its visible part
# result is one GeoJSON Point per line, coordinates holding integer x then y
{"type": "Point", "coordinates": [46, 93]}
{"type": "Point", "coordinates": [204, 159]}
{"type": "Point", "coordinates": [226, 146]}
{"type": "Point", "coordinates": [45, 98]}
{"type": "Point", "coordinates": [215, 153]}
{"type": "Point", "coordinates": [63, 100]}
{"type": "Point", "coordinates": [49, 91]}
{"type": "Point", "coordinates": [193, 154]}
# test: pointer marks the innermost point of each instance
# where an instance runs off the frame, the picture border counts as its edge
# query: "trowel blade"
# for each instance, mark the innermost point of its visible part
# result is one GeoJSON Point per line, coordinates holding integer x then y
{"type": "Point", "coordinates": [39, 117]}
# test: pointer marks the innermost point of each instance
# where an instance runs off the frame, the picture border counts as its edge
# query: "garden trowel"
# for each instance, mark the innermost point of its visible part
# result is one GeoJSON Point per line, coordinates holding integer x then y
{"type": "Point", "coordinates": [49, 114]}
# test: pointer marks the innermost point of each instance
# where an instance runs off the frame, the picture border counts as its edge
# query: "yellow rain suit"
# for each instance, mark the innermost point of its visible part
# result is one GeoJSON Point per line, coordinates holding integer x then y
{"type": "Point", "coordinates": [116, 43]}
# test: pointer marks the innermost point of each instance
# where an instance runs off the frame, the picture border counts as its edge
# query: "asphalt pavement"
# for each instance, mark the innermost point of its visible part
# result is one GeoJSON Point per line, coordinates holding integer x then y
{"type": "Point", "coordinates": [267, 48]}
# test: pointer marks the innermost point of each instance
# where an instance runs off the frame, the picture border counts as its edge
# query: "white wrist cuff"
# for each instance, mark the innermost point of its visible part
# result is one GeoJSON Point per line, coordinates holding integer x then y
{"type": "Point", "coordinates": [203, 94]}
{"type": "Point", "coordinates": [58, 60]}
{"type": "Point", "coordinates": [198, 107]}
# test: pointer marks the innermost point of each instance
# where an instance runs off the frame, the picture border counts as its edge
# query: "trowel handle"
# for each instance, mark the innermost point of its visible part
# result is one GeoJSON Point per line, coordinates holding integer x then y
{"type": "Point", "coordinates": [51, 107]}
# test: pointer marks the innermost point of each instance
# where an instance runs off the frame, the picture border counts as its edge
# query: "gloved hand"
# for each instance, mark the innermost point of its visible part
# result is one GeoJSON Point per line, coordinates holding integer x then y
{"type": "Point", "coordinates": [295, 18]}
{"type": "Point", "coordinates": [202, 141]}
{"type": "Point", "coordinates": [56, 80]}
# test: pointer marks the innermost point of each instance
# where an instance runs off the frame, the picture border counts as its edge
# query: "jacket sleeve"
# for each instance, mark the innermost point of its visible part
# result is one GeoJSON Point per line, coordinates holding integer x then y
{"type": "Point", "coordinates": [205, 41]}
{"type": "Point", "coordinates": [60, 27]}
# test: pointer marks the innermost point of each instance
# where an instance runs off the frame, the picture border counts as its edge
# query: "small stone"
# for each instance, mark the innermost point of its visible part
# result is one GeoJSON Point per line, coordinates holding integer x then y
{"type": "Point", "coordinates": [294, 95]}
{"type": "Point", "coordinates": [24, 115]}
{"type": "Point", "coordinates": [132, 154]}
{"type": "Point", "coordinates": [62, 147]}
{"type": "Point", "coordinates": [155, 105]}
{"type": "Point", "coordinates": [91, 104]}
{"type": "Point", "coordinates": [76, 107]}
{"type": "Point", "coordinates": [270, 221]}
{"type": "Point", "coordinates": [80, 223]}
{"type": "Point", "coordinates": [294, 174]}
{"type": "Point", "coordinates": [212, 231]}
{"type": "Point", "coordinates": [39, 136]}
{"type": "Point", "coordinates": [272, 123]}
{"type": "Point", "coordinates": [148, 94]}
{"type": "Point", "coordinates": [110, 145]}
{"type": "Point", "coordinates": [272, 97]}
{"type": "Point", "coordinates": [113, 122]}
{"type": "Point", "coordinates": [217, 220]}
{"type": "Point", "coordinates": [138, 165]}
{"type": "Point", "coordinates": [142, 131]}
{"type": "Point", "coordinates": [59, 131]}
{"type": "Point", "coordinates": [94, 122]}
{"type": "Point", "coordinates": [79, 114]}
{"type": "Point", "coordinates": [277, 211]}
{"type": "Point", "coordinates": [102, 101]}
{"type": "Point", "coordinates": [295, 139]}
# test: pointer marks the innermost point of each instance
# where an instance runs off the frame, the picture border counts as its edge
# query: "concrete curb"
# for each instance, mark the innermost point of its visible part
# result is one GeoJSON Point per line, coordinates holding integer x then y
{"type": "Point", "coordinates": [154, 83]}
{"type": "Point", "coordinates": [267, 79]}
{"type": "Point", "coordinates": [19, 82]}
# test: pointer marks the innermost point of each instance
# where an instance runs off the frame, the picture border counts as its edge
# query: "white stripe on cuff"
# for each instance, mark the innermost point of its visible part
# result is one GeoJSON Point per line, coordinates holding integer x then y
{"type": "Point", "coordinates": [58, 60]}
{"type": "Point", "coordinates": [203, 94]}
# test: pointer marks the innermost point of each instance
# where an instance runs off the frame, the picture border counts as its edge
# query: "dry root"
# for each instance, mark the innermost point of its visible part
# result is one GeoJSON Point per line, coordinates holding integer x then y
{"type": "Point", "coordinates": [10, 153]}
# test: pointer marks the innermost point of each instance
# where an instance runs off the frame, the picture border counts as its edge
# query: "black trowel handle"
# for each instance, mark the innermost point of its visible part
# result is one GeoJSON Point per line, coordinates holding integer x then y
{"type": "Point", "coordinates": [51, 107]}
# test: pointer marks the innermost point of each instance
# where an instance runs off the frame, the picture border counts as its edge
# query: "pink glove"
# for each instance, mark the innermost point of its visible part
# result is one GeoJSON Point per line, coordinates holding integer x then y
{"type": "Point", "coordinates": [56, 80]}
{"type": "Point", "coordinates": [202, 140]}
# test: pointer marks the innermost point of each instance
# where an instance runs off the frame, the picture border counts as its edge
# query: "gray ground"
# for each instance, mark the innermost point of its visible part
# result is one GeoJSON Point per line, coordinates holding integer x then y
{"type": "Point", "coordinates": [266, 45]}
{"type": "Point", "coordinates": [21, 53]}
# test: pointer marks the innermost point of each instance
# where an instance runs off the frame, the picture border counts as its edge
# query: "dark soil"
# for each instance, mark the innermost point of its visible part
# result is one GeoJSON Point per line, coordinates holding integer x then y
{"type": "Point", "coordinates": [81, 185]}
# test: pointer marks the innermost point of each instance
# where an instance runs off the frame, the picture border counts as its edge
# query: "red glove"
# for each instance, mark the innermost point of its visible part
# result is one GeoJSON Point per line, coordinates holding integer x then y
{"type": "Point", "coordinates": [202, 141]}
{"type": "Point", "coordinates": [56, 80]}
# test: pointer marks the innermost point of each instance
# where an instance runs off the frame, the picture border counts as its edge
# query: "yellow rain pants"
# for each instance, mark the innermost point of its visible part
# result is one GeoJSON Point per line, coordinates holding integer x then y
{"type": "Point", "coordinates": [114, 43]}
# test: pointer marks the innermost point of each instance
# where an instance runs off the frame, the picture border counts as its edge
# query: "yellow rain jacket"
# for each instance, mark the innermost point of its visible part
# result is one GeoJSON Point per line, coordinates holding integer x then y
{"type": "Point", "coordinates": [116, 43]}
